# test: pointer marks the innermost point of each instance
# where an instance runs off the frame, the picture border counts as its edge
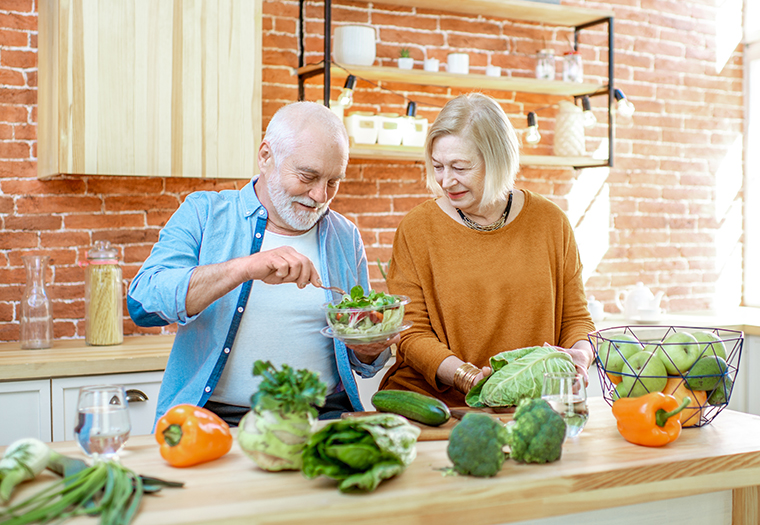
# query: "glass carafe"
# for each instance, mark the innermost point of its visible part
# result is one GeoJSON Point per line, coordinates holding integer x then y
{"type": "Point", "coordinates": [36, 313]}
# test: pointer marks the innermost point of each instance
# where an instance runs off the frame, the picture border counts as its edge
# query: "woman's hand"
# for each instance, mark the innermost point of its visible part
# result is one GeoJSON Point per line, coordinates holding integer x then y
{"type": "Point", "coordinates": [582, 357]}
{"type": "Point", "coordinates": [448, 368]}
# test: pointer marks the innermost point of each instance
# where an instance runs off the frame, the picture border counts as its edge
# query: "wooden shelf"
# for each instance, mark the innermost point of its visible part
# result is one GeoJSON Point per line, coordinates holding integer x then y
{"type": "Point", "coordinates": [428, 78]}
{"type": "Point", "coordinates": [380, 152]}
{"type": "Point", "coordinates": [513, 9]}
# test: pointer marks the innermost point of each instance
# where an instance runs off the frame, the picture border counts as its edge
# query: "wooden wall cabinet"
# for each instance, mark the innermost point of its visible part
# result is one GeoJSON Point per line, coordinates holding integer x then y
{"type": "Point", "coordinates": [149, 87]}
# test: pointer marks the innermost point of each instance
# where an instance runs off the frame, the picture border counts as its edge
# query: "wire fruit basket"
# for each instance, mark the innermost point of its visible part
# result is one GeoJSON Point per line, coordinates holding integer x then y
{"type": "Point", "coordinates": [700, 363]}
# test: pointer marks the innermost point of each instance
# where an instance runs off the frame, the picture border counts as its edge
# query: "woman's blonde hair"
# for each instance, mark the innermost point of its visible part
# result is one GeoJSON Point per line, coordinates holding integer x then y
{"type": "Point", "coordinates": [481, 119]}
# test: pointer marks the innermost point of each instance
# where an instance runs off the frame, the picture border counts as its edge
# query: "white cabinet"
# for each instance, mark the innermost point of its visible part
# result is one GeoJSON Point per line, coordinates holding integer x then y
{"type": "Point", "coordinates": [24, 410]}
{"type": "Point", "coordinates": [142, 393]}
{"type": "Point", "coordinates": [745, 396]}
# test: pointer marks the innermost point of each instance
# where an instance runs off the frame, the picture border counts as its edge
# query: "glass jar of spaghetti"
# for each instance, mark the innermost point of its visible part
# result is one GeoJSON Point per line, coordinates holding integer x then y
{"type": "Point", "coordinates": [103, 311]}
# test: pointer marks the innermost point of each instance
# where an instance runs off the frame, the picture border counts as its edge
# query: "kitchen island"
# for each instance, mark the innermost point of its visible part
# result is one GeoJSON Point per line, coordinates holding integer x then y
{"type": "Point", "coordinates": [718, 463]}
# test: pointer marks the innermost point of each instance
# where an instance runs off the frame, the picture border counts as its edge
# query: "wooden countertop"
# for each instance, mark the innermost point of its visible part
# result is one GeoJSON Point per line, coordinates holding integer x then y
{"type": "Point", "coordinates": [72, 357]}
{"type": "Point", "coordinates": [597, 470]}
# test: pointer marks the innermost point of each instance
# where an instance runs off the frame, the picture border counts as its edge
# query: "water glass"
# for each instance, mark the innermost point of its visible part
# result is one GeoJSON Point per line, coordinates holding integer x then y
{"type": "Point", "coordinates": [102, 425]}
{"type": "Point", "coordinates": [566, 394]}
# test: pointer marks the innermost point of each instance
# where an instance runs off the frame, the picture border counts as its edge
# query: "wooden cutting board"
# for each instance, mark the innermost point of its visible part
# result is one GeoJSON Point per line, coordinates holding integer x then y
{"type": "Point", "coordinates": [441, 433]}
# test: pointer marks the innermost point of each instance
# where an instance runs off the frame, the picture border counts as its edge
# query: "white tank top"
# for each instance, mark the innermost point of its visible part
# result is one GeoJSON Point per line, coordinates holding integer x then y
{"type": "Point", "coordinates": [281, 324]}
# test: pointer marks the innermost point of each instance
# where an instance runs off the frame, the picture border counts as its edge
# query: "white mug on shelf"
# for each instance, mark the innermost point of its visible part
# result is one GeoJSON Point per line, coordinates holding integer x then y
{"type": "Point", "coordinates": [458, 63]}
{"type": "Point", "coordinates": [493, 71]}
{"type": "Point", "coordinates": [431, 64]}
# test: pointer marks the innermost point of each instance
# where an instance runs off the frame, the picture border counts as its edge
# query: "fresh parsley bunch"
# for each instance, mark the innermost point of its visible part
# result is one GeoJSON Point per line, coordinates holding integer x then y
{"type": "Point", "coordinates": [287, 390]}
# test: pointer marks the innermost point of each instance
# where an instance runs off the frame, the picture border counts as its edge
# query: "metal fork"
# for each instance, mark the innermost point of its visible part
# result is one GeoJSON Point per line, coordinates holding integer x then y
{"type": "Point", "coordinates": [332, 289]}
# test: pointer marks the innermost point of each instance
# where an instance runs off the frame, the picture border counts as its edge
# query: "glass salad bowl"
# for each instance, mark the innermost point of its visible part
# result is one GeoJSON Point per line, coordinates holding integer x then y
{"type": "Point", "coordinates": [362, 319]}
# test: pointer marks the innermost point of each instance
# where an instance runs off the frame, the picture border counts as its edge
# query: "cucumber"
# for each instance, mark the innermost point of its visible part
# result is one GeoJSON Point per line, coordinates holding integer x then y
{"type": "Point", "coordinates": [412, 405]}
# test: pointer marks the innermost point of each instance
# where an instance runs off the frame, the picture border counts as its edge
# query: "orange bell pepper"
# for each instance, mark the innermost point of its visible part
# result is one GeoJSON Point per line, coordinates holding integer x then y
{"type": "Point", "coordinates": [648, 420]}
{"type": "Point", "coordinates": [190, 435]}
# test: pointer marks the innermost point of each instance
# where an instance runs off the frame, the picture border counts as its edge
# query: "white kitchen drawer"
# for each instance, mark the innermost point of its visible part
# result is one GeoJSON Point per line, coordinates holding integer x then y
{"type": "Point", "coordinates": [24, 410]}
{"type": "Point", "coordinates": [65, 392]}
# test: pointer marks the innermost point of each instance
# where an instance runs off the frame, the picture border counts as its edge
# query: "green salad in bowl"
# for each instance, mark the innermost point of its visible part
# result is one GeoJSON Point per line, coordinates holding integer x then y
{"type": "Point", "coordinates": [362, 319]}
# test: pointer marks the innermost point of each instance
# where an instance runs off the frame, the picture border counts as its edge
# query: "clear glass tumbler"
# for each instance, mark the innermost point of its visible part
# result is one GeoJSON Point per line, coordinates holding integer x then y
{"type": "Point", "coordinates": [102, 425]}
{"type": "Point", "coordinates": [566, 394]}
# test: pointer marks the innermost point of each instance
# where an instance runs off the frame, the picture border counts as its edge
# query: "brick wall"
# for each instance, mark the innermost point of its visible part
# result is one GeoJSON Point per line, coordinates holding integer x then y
{"type": "Point", "coordinates": [668, 219]}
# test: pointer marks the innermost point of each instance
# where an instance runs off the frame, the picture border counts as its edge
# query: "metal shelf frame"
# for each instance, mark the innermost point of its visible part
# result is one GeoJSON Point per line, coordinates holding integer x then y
{"type": "Point", "coordinates": [324, 68]}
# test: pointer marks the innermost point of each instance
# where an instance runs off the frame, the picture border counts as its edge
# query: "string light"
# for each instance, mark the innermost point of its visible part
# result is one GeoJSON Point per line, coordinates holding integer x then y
{"type": "Point", "coordinates": [411, 109]}
{"type": "Point", "coordinates": [623, 106]}
{"type": "Point", "coordinates": [346, 97]}
{"type": "Point", "coordinates": [532, 136]}
{"type": "Point", "coordinates": [589, 120]}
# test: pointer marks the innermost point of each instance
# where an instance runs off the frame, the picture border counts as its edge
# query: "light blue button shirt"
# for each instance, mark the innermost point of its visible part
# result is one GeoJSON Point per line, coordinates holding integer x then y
{"type": "Point", "coordinates": [212, 227]}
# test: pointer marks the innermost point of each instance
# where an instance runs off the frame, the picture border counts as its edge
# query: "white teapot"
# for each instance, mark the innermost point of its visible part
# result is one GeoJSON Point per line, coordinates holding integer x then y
{"type": "Point", "coordinates": [596, 309]}
{"type": "Point", "coordinates": [638, 298]}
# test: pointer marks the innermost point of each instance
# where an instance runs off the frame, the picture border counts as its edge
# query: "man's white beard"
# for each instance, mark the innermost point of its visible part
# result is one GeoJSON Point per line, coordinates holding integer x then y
{"type": "Point", "coordinates": [284, 205]}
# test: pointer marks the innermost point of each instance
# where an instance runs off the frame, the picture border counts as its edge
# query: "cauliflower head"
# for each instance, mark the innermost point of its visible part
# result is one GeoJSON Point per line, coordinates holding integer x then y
{"type": "Point", "coordinates": [537, 432]}
{"type": "Point", "coordinates": [475, 445]}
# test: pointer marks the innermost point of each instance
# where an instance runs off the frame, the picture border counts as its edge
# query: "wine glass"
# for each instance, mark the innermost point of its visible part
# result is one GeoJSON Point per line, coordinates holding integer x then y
{"type": "Point", "coordinates": [566, 394]}
{"type": "Point", "coordinates": [102, 425]}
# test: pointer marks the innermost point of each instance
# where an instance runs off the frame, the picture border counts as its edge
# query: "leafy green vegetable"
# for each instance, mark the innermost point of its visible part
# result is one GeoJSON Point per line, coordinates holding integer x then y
{"type": "Point", "coordinates": [536, 433]}
{"type": "Point", "coordinates": [275, 432]}
{"type": "Point", "coordinates": [475, 445]}
{"type": "Point", "coordinates": [288, 391]}
{"type": "Point", "coordinates": [517, 374]}
{"type": "Point", "coordinates": [361, 452]}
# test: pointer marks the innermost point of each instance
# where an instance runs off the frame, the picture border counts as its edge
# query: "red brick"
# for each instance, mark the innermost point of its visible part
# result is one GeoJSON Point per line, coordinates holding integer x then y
{"type": "Point", "coordinates": [30, 205]}
{"type": "Point", "coordinates": [124, 185]}
{"type": "Point", "coordinates": [33, 223]}
{"type": "Point", "coordinates": [17, 240]}
{"type": "Point", "coordinates": [64, 238]}
{"type": "Point", "coordinates": [18, 21]}
{"type": "Point", "coordinates": [137, 254]}
{"type": "Point", "coordinates": [142, 202]}
{"type": "Point", "coordinates": [47, 187]}
{"type": "Point", "coordinates": [14, 150]}
{"type": "Point", "coordinates": [18, 59]}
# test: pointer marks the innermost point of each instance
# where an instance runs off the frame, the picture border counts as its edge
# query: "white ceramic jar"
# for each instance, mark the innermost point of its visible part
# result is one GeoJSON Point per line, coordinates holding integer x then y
{"type": "Point", "coordinates": [458, 63]}
{"type": "Point", "coordinates": [415, 131]}
{"type": "Point", "coordinates": [354, 45]}
{"type": "Point", "coordinates": [391, 129]}
{"type": "Point", "coordinates": [362, 127]}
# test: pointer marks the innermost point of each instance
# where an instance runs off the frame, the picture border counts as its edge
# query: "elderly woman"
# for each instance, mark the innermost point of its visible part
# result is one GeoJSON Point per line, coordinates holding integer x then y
{"type": "Point", "coordinates": [488, 267]}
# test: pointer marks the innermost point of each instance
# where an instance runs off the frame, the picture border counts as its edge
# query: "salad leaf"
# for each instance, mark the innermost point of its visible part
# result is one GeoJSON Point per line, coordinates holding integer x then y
{"type": "Point", "coordinates": [361, 452]}
{"type": "Point", "coordinates": [518, 374]}
{"type": "Point", "coordinates": [287, 390]}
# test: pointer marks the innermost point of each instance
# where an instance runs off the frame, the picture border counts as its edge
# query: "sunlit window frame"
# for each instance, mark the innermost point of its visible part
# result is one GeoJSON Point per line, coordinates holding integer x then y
{"type": "Point", "coordinates": [751, 295]}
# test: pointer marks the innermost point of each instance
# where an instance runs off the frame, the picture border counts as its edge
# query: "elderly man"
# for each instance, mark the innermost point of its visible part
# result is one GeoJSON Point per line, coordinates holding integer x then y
{"type": "Point", "coordinates": [234, 269]}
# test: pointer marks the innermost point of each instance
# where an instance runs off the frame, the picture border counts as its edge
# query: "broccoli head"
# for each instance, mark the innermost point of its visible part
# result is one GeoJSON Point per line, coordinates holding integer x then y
{"type": "Point", "coordinates": [536, 433]}
{"type": "Point", "coordinates": [475, 445]}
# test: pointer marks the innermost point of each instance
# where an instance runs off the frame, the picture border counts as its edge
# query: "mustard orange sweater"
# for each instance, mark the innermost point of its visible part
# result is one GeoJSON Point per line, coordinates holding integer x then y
{"type": "Point", "coordinates": [476, 294]}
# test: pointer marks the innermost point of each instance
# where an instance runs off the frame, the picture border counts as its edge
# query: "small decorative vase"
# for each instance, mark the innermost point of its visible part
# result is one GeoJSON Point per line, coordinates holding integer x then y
{"type": "Point", "coordinates": [569, 135]}
{"type": "Point", "coordinates": [274, 440]}
{"type": "Point", "coordinates": [355, 44]}
{"type": "Point", "coordinates": [36, 313]}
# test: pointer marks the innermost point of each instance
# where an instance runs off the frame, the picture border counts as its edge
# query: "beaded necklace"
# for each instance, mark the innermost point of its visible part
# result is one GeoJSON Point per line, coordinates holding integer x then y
{"type": "Point", "coordinates": [491, 227]}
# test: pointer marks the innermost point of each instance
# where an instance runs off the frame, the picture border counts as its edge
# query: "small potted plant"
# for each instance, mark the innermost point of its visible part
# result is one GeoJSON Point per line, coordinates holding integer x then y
{"type": "Point", "coordinates": [405, 61]}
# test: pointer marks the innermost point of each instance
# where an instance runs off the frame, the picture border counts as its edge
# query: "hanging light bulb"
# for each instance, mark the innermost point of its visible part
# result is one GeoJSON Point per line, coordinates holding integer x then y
{"type": "Point", "coordinates": [589, 120]}
{"type": "Point", "coordinates": [532, 136]}
{"type": "Point", "coordinates": [411, 109]}
{"type": "Point", "coordinates": [624, 106]}
{"type": "Point", "coordinates": [346, 97]}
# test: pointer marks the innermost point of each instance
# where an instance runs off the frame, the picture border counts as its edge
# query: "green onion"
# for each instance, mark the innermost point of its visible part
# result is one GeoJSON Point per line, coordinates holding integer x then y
{"type": "Point", "coordinates": [106, 488]}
